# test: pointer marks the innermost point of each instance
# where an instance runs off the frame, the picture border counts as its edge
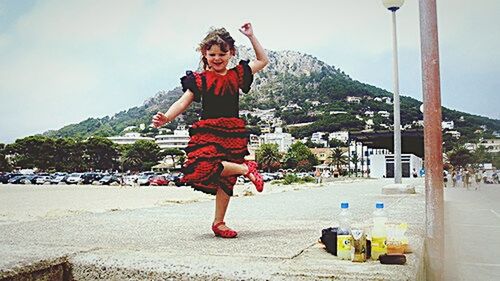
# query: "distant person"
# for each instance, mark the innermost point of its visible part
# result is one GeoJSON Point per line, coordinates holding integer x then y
{"type": "Point", "coordinates": [415, 174]}
{"type": "Point", "coordinates": [466, 178]}
{"type": "Point", "coordinates": [317, 175]}
{"type": "Point", "coordinates": [459, 176]}
{"type": "Point", "coordinates": [454, 178]}
{"type": "Point", "coordinates": [478, 176]}
{"type": "Point", "coordinates": [218, 142]}
{"type": "Point", "coordinates": [445, 178]}
{"type": "Point", "coordinates": [422, 172]}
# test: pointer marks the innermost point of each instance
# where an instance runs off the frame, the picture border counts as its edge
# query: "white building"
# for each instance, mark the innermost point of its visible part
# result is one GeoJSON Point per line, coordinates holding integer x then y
{"type": "Point", "coordinates": [335, 112]}
{"type": "Point", "coordinates": [387, 100]}
{"type": "Point", "coordinates": [491, 145]}
{"type": "Point", "coordinates": [447, 125]}
{"type": "Point", "coordinates": [265, 128]}
{"type": "Point", "coordinates": [342, 136]}
{"type": "Point", "coordinates": [317, 137]}
{"type": "Point", "coordinates": [352, 99]}
{"type": "Point", "coordinates": [369, 113]}
{"type": "Point", "coordinates": [455, 134]}
{"type": "Point", "coordinates": [382, 166]}
{"type": "Point", "coordinates": [253, 145]}
{"type": "Point", "coordinates": [129, 138]}
{"type": "Point", "coordinates": [283, 140]}
{"type": "Point", "coordinates": [129, 128]}
{"type": "Point", "coordinates": [292, 107]}
{"type": "Point", "coordinates": [384, 113]}
{"type": "Point", "coordinates": [178, 140]}
{"type": "Point", "coordinates": [470, 146]}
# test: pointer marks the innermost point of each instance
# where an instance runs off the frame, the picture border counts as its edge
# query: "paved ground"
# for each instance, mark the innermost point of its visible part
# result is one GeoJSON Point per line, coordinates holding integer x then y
{"type": "Point", "coordinates": [472, 233]}
{"type": "Point", "coordinates": [278, 236]}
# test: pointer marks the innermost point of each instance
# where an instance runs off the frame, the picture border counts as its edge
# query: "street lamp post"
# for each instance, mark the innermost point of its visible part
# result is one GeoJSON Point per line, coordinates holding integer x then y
{"type": "Point", "coordinates": [393, 6]}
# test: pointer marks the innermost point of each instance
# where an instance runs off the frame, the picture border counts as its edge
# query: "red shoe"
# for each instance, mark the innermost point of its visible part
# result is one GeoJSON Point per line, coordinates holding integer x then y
{"type": "Point", "coordinates": [252, 169]}
{"type": "Point", "coordinates": [229, 233]}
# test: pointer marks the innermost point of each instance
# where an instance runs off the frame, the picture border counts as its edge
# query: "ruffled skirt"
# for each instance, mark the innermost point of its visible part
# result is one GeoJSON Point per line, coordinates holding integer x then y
{"type": "Point", "coordinates": [211, 142]}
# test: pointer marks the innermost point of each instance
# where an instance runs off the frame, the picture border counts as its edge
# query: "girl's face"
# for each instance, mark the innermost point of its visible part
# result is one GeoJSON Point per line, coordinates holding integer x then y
{"type": "Point", "coordinates": [217, 59]}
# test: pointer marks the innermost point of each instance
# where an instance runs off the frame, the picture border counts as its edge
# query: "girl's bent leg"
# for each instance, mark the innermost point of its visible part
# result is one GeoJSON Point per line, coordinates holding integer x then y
{"type": "Point", "coordinates": [233, 169]}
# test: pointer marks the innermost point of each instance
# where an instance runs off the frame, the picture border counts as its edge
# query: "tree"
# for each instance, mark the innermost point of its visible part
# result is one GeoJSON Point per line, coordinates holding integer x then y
{"type": "Point", "coordinates": [338, 158]}
{"type": "Point", "coordinates": [141, 156]}
{"type": "Point", "coordinates": [268, 156]}
{"type": "Point", "coordinates": [101, 153]}
{"type": "Point", "coordinates": [69, 155]}
{"type": "Point", "coordinates": [298, 152]}
{"type": "Point", "coordinates": [481, 155]}
{"type": "Point", "coordinates": [4, 164]}
{"type": "Point", "coordinates": [460, 157]}
{"type": "Point", "coordinates": [181, 159]}
{"type": "Point", "coordinates": [32, 152]}
{"type": "Point", "coordinates": [336, 143]}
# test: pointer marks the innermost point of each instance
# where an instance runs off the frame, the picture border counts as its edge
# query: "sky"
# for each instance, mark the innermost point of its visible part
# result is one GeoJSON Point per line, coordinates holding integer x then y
{"type": "Point", "coordinates": [62, 62]}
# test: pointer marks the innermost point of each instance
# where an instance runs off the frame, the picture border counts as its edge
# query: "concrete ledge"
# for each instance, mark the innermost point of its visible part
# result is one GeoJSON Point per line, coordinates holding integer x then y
{"type": "Point", "coordinates": [401, 188]}
{"type": "Point", "coordinates": [277, 241]}
{"type": "Point", "coordinates": [54, 270]}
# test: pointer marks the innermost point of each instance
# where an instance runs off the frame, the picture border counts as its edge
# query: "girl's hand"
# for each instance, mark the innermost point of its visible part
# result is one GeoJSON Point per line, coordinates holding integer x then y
{"type": "Point", "coordinates": [159, 120]}
{"type": "Point", "coordinates": [247, 29]}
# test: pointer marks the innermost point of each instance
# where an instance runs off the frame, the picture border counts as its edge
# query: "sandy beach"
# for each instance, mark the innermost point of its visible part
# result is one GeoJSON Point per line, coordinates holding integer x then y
{"type": "Point", "coordinates": [36, 202]}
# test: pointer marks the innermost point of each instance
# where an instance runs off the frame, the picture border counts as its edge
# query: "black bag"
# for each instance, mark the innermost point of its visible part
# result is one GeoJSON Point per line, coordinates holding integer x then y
{"type": "Point", "coordinates": [329, 239]}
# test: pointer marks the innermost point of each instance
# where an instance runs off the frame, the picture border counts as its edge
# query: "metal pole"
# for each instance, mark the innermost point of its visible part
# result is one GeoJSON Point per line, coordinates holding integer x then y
{"type": "Point", "coordinates": [397, 120]}
{"type": "Point", "coordinates": [434, 215]}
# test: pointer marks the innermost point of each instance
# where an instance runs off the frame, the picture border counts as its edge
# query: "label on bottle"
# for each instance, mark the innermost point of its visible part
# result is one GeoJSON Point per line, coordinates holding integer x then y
{"type": "Point", "coordinates": [344, 243]}
{"type": "Point", "coordinates": [379, 245]}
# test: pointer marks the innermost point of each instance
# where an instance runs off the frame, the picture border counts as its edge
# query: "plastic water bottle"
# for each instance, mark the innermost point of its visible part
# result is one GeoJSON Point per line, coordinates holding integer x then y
{"type": "Point", "coordinates": [344, 233]}
{"type": "Point", "coordinates": [379, 232]}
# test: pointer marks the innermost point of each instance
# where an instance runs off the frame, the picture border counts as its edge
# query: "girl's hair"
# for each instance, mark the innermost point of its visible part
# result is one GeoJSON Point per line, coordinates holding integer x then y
{"type": "Point", "coordinates": [219, 37]}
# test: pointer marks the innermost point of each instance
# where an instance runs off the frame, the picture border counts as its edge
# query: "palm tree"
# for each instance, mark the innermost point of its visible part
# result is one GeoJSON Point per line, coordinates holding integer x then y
{"type": "Point", "coordinates": [338, 158]}
{"type": "Point", "coordinates": [267, 155]}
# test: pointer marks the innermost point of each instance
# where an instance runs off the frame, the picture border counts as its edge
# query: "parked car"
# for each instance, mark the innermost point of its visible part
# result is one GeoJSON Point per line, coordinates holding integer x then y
{"type": "Point", "coordinates": [90, 177]}
{"type": "Point", "coordinates": [176, 178]}
{"type": "Point", "coordinates": [58, 180]}
{"type": "Point", "coordinates": [158, 180]}
{"type": "Point", "coordinates": [144, 179]}
{"type": "Point", "coordinates": [22, 179]}
{"type": "Point", "coordinates": [42, 179]}
{"type": "Point", "coordinates": [4, 178]}
{"type": "Point", "coordinates": [130, 180]}
{"type": "Point", "coordinates": [109, 179]}
{"type": "Point", "coordinates": [74, 178]}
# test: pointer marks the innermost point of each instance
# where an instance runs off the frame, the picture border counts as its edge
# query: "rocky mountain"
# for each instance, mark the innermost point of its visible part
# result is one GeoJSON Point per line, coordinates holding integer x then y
{"type": "Point", "coordinates": [292, 78]}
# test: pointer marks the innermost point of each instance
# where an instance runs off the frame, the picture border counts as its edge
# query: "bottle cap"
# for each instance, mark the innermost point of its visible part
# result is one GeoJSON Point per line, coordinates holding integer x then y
{"type": "Point", "coordinates": [379, 205]}
{"type": "Point", "coordinates": [344, 205]}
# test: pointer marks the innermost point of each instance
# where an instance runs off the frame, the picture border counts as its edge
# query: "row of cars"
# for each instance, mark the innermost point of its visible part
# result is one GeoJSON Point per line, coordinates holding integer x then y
{"type": "Point", "coordinates": [154, 179]}
{"type": "Point", "coordinates": [145, 178]}
{"type": "Point", "coordinates": [60, 178]}
{"type": "Point", "coordinates": [96, 178]}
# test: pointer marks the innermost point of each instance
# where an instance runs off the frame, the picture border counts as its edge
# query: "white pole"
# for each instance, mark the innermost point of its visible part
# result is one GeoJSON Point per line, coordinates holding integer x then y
{"type": "Point", "coordinates": [397, 121]}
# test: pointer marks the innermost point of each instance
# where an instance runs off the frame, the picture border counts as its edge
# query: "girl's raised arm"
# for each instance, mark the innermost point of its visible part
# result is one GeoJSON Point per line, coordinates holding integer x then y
{"type": "Point", "coordinates": [261, 57]}
{"type": "Point", "coordinates": [175, 109]}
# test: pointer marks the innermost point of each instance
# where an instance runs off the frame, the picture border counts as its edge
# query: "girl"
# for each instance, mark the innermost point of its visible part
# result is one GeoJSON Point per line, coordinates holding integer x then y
{"type": "Point", "coordinates": [218, 142]}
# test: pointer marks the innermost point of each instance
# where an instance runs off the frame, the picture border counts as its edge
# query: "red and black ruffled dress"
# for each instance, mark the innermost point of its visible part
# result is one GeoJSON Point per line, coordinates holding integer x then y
{"type": "Point", "coordinates": [220, 135]}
